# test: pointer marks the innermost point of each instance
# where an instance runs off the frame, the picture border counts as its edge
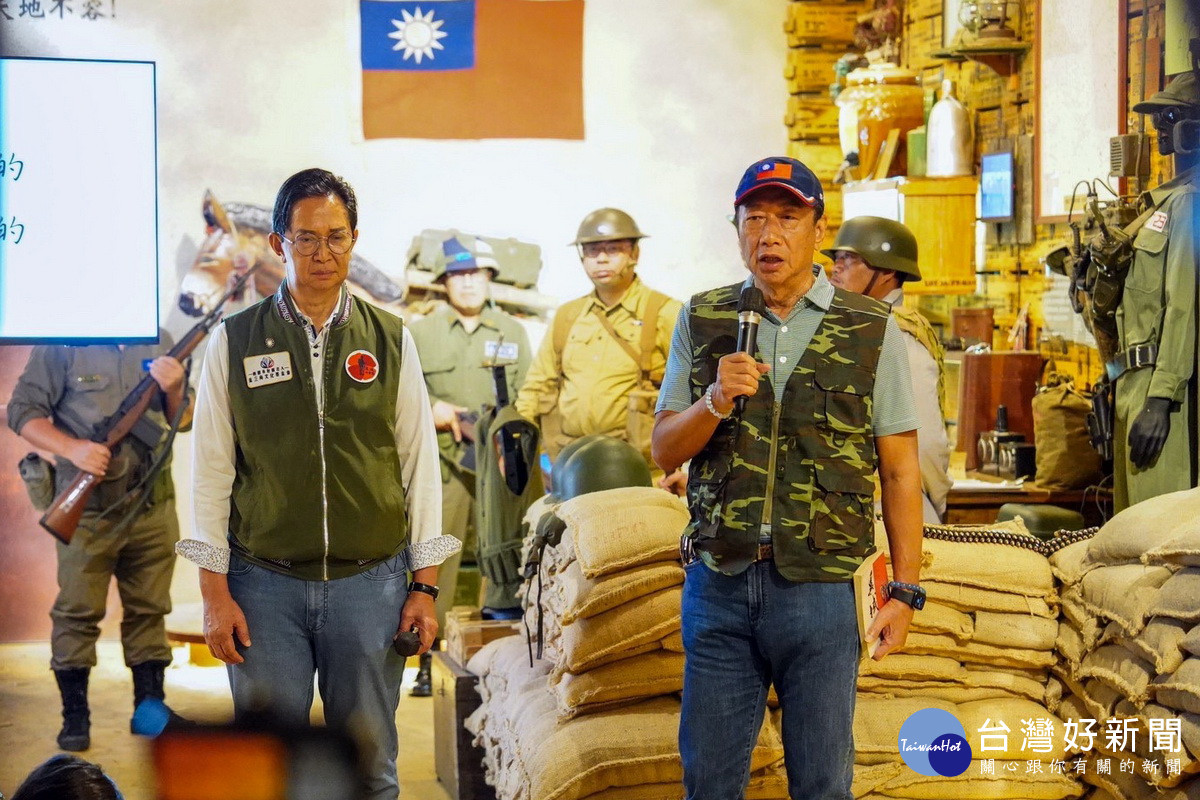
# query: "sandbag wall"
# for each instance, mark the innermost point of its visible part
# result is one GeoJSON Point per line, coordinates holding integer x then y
{"type": "Point", "coordinates": [1129, 650]}
{"type": "Point", "coordinates": [598, 715]}
{"type": "Point", "coordinates": [981, 649]}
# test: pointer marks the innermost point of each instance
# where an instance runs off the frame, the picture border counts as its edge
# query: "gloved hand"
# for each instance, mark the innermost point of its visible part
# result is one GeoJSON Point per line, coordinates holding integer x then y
{"type": "Point", "coordinates": [1149, 431]}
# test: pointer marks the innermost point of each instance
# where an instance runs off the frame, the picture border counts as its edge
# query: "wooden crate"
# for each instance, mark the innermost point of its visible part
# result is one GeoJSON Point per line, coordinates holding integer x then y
{"type": "Point", "coordinates": [920, 9]}
{"type": "Point", "coordinates": [464, 636]}
{"type": "Point", "coordinates": [810, 69]}
{"type": "Point", "coordinates": [922, 38]}
{"type": "Point", "coordinates": [811, 116]}
{"type": "Point", "coordinates": [821, 22]}
{"type": "Point", "coordinates": [457, 762]}
{"type": "Point", "coordinates": [823, 159]}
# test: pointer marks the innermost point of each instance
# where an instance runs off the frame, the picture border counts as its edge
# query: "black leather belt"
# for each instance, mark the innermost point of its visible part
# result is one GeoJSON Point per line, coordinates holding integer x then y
{"type": "Point", "coordinates": [1136, 357]}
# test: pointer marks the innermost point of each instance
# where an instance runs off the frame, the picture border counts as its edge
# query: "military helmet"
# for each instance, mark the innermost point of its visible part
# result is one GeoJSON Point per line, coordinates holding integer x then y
{"type": "Point", "coordinates": [607, 225]}
{"type": "Point", "coordinates": [883, 243]}
{"type": "Point", "coordinates": [596, 465]}
{"type": "Point", "coordinates": [1181, 91]}
{"type": "Point", "coordinates": [563, 457]}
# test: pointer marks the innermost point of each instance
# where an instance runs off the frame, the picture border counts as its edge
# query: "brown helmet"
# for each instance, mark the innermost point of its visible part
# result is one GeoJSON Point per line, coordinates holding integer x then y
{"type": "Point", "coordinates": [607, 225]}
{"type": "Point", "coordinates": [883, 243]}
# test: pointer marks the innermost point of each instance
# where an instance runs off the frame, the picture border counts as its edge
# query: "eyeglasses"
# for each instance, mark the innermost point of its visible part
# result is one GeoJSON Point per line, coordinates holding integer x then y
{"type": "Point", "coordinates": [755, 221]}
{"type": "Point", "coordinates": [594, 249]}
{"type": "Point", "coordinates": [306, 244]}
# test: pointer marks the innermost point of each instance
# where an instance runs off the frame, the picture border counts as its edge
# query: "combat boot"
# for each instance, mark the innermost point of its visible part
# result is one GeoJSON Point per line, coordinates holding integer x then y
{"type": "Point", "coordinates": [75, 735]}
{"type": "Point", "coordinates": [151, 714]}
{"type": "Point", "coordinates": [424, 683]}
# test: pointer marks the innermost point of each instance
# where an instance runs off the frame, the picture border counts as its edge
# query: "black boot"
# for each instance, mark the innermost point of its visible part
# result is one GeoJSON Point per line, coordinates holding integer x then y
{"type": "Point", "coordinates": [424, 684]}
{"type": "Point", "coordinates": [75, 735]}
{"type": "Point", "coordinates": [151, 715]}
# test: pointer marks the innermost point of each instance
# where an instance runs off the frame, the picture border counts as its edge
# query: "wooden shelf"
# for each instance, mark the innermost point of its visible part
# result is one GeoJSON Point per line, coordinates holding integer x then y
{"type": "Point", "coordinates": [1001, 56]}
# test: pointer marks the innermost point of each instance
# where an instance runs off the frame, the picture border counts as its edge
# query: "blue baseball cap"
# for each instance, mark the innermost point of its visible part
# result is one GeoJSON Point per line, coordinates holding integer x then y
{"type": "Point", "coordinates": [786, 173]}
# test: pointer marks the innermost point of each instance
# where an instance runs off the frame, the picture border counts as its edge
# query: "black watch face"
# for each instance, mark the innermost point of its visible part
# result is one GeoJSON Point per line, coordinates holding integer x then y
{"type": "Point", "coordinates": [918, 601]}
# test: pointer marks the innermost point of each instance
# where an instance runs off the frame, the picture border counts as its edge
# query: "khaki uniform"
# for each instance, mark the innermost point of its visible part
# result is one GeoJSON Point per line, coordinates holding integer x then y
{"type": "Point", "coordinates": [451, 361]}
{"type": "Point", "coordinates": [1159, 306]}
{"type": "Point", "coordinates": [591, 389]}
{"type": "Point", "coordinates": [78, 388]}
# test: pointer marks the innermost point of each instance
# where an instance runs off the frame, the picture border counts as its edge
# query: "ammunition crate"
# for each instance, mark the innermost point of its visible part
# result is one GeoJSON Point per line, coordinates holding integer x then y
{"type": "Point", "coordinates": [456, 760]}
{"type": "Point", "coordinates": [811, 117]}
{"type": "Point", "coordinates": [810, 69]}
{"type": "Point", "coordinates": [821, 22]}
{"type": "Point", "coordinates": [465, 635]}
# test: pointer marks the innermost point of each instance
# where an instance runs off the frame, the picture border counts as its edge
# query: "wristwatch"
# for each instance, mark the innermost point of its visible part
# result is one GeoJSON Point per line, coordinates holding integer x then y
{"type": "Point", "coordinates": [908, 593]}
{"type": "Point", "coordinates": [432, 591]}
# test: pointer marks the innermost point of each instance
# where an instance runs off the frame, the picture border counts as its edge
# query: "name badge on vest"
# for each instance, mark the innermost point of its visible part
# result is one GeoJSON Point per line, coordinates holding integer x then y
{"type": "Point", "coordinates": [267, 369]}
{"type": "Point", "coordinates": [362, 366]}
{"type": "Point", "coordinates": [500, 352]}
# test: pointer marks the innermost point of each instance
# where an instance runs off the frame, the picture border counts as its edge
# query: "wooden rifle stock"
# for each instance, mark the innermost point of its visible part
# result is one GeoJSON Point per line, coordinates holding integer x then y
{"type": "Point", "coordinates": [62, 517]}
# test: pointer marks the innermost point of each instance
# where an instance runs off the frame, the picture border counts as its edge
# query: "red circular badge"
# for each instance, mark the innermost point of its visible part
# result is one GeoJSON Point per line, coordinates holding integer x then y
{"type": "Point", "coordinates": [362, 366]}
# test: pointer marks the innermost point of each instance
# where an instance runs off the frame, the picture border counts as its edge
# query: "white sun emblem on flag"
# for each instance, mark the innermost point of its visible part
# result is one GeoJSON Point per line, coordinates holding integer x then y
{"type": "Point", "coordinates": [418, 35]}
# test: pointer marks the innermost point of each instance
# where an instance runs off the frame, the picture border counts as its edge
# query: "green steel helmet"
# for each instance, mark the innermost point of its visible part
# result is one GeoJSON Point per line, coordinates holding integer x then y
{"type": "Point", "coordinates": [564, 456]}
{"type": "Point", "coordinates": [607, 225]}
{"type": "Point", "coordinates": [604, 463]}
{"type": "Point", "coordinates": [883, 243]}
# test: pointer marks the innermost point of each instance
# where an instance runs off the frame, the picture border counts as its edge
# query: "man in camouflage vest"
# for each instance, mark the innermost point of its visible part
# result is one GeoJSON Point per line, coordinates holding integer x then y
{"type": "Point", "coordinates": [781, 496]}
{"type": "Point", "coordinates": [874, 256]}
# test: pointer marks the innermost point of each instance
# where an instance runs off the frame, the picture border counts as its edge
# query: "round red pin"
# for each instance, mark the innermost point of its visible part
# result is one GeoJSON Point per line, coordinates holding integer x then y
{"type": "Point", "coordinates": [362, 366]}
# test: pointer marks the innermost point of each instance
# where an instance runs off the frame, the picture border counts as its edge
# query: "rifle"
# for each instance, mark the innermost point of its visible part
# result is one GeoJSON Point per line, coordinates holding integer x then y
{"type": "Point", "coordinates": [62, 517]}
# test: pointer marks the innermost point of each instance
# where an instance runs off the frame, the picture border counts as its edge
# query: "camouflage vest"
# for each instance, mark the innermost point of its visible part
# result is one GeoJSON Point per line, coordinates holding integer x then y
{"type": "Point", "coordinates": [804, 465]}
{"type": "Point", "coordinates": [916, 326]}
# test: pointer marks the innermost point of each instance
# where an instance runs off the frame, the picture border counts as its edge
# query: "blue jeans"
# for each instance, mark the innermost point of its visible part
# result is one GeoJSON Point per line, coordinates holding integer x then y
{"type": "Point", "coordinates": [744, 632]}
{"type": "Point", "coordinates": [340, 629]}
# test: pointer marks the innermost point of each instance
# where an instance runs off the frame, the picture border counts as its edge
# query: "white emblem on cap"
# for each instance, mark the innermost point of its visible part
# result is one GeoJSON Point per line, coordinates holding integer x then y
{"type": "Point", "coordinates": [886, 246]}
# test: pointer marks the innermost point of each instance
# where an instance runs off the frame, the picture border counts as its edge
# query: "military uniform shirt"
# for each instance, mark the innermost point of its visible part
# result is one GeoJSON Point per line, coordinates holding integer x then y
{"type": "Point", "coordinates": [597, 374]}
{"type": "Point", "coordinates": [783, 343]}
{"type": "Point", "coordinates": [452, 359]}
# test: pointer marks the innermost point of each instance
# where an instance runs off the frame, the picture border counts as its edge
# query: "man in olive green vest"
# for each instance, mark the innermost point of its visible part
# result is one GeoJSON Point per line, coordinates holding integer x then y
{"type": "Point", "coordinates": [874, 256]}
{"type": "Point", "coordinates": [316, 488]}
{"type": "Point", "coordinates": [1155, 443]}
{"type": "Point", "coordinates": [781, 495]}
{"type": "Point", "coordinates": [455, 342]}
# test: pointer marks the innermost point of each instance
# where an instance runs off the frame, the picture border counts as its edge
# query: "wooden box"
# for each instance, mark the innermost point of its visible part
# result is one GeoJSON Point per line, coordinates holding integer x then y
{"type": "Point", "coordinates": [812, 116]}
{"type": "Point", "coordinates": [464, 636]}
{"type": "Point", "coordinates": [819, 23]}
{"type": "Point", "coordinates": [810, 69]}
{"type": "Point", "coordinates": [989, 380]}
{"type": "Point", "coordinates": [457, 762]}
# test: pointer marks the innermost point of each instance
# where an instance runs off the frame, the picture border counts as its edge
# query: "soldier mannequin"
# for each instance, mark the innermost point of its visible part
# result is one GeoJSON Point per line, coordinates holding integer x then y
{"type": "Point", "coordinates": [875, 256]}
{"type": "Point", "coordinates": [453, 343]}
{"type": "Point", "coordinates": [582, 379]}
{"type": "Point", "coordinates": [1155, 446]}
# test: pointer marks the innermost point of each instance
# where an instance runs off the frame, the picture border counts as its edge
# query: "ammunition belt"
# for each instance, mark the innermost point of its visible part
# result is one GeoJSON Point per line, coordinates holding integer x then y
{"type": "Point", "coordinates": [992, 536]}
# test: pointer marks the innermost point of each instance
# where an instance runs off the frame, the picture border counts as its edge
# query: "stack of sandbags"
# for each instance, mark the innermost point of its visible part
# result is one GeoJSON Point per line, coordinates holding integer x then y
{"type": "Point", "coordinates": [981, 650]}
{"type": "Point", "coordinates": [610, 595]}
{"type": "Point", "coordinates": [989, 624]}
{"type": "Point", "coordinates": [1130, 600]}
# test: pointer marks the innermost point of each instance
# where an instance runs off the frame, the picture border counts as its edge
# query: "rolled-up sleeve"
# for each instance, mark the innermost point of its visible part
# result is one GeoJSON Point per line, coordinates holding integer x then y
{"type": "Point", "coordinates": [39, 388]}
{"type": "Point", "coordinates": [212, 461]}
{"type": "Point", "coordinates": [416, 442]}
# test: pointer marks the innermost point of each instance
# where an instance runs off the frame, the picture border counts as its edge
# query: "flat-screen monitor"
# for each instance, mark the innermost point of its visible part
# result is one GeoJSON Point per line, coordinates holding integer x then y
{"type": "Point", "coordinates": [996, 187]}
{"type": "Point", "coordinates": [78, 201]}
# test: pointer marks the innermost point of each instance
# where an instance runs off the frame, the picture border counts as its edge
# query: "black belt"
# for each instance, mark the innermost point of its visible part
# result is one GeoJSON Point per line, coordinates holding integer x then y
{"type": "Point", "coordinates": [1136, 357]}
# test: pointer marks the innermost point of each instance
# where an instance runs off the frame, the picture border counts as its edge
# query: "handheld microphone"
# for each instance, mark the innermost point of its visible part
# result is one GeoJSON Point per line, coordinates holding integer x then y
{"type": "Point", "coordinates": [751, 307]}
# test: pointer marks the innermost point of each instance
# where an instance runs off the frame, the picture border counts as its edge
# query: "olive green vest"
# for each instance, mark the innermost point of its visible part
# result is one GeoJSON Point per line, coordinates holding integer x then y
{"type": "Point", "coordinates": [804, 466]}
{"type": "Point", "coordinates": [316, 496]}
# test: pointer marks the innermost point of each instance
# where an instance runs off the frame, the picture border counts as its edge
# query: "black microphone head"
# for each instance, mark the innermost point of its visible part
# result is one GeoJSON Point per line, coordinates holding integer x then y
{"type": "Point", "coordinates": [751, 299]}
